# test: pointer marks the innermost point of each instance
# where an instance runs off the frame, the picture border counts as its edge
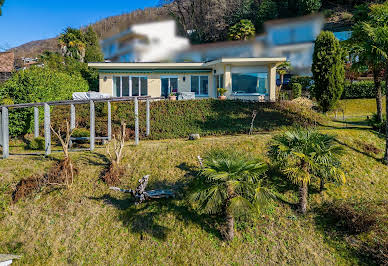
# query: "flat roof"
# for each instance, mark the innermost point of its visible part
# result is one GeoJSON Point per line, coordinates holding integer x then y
{"type": "Point", "coordinates": [140, 65]}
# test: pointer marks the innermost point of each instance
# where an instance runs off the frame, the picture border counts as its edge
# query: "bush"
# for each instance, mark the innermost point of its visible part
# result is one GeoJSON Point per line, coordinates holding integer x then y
{"type": "Point", "coordinates": [36, 144]}
{"type": "Point", "coordinates": [328, 70]}
{"type": "Point", "coordinates": [81, 133]}
{"type": "Point", "coordinates": [37, 85]}
{"type": "Point", "coordinates": [360, 89]}
{"type": "Point", "coordinates": [305, 81]}
{"type": "Point", "coordinates": [306, 7]}
{"type": "Point", "coordinates": [242, 30]}
{"type": "Point", "coordinates": [296, 90]}
{"type": "Point", "coordinates": [178, 119]}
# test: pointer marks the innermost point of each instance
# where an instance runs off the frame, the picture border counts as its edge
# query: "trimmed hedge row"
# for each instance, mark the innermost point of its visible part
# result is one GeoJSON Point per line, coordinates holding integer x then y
{"type": "Point", "coordinates": [176, 119]}
{"type": "Point", "coordinates": [356, 90]}
{"type": "Point", "coordinates": [360, 89]}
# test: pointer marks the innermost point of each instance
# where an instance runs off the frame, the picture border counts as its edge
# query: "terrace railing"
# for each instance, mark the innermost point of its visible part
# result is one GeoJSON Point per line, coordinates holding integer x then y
{"type": "Point", "coordinates": [4, 119]}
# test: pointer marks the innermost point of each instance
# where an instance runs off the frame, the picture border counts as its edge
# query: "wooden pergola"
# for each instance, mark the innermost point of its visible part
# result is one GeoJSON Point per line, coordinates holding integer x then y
{"type": "Point", "coordinates": [4, 119]}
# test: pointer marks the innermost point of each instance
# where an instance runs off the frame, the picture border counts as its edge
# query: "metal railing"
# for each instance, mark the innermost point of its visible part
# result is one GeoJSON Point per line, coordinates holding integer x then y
{"type": "Point", "coordinates": [4, 120]}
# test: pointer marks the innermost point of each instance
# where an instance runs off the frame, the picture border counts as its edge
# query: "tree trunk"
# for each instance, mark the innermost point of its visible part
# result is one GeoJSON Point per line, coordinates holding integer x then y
{"type": "Point", "coordinates": [379, 97]}
{"type": "Point", "coordinates": [322, 185]}
{"type": "Point", "coordinates": [386, 108]}
{"type": "Point", "coordinates": [229, 227]}
{"type": "Point", "coordinates": [303, 197]}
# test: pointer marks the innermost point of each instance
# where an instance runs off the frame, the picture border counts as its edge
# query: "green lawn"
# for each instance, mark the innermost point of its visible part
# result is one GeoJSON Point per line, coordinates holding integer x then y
{"type": "Point", "coordinates": [89, 224]}
{"type": "Point", "coordinates": [357, 107]}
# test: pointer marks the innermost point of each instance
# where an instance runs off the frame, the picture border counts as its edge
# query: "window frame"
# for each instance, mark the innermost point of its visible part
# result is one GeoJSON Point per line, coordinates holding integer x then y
{"type": "Point", "coordinates": [200, 94]}
{"type": "Point", "coordinates": [253, 93]}
{"type": "Point", "coordinates": [114, 87]}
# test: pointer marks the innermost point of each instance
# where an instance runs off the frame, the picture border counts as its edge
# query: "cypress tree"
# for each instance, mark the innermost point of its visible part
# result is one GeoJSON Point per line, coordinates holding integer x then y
{"type": "Point", "coordinates": [328, 70]}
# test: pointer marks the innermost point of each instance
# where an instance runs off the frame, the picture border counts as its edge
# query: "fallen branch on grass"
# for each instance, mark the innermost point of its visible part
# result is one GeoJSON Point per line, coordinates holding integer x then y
{"type": "Point", "coordinates": [141, 195]}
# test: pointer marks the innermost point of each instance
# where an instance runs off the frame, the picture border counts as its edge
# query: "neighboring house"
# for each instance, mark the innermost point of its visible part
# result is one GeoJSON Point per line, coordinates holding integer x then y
{"type": "Point", "coordinates": [292, 38]}
{"type": "Point", "coordinates": [212, 51]}
{"type": "Point", "coordinates": [7, 60]}
{"type": "Point", "coordinates": [149, 42]}
{"type": "Point", "coordinates": [244, 78]}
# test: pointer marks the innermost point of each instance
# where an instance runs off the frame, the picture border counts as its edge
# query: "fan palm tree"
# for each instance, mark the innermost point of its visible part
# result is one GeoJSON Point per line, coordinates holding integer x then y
{"type": "Point", "coordinates": [283, 69]}
{"type": "Point", "coordinates": [229, 184]}
{"type": "Point", "coordinates": [304, 155]}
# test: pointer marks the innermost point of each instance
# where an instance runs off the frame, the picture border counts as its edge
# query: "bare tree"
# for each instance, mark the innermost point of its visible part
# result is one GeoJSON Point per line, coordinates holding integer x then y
{"type": "Point", "coordinates": [114, 149]}
{"type": "Point", "coordinates": [63, 172]}
{"type": "Point", "coordinates": [204, 19]}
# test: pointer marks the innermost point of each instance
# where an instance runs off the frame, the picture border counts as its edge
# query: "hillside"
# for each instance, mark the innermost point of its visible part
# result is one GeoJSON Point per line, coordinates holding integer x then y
{"type": "Point", "coordinates": [89, 224]}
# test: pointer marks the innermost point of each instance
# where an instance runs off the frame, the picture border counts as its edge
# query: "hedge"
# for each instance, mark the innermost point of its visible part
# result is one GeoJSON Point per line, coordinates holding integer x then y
{"type": "Point", "coordinates": [37, 84]}
{"type": "Point", "coordinates": [360, 89]}
{"type": "Point", "coordinates": [177, 119]}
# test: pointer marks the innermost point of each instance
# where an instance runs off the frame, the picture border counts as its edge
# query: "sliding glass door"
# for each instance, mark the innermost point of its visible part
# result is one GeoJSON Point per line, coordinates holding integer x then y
{"type": "Point", "coordinates": [130, 86]}
{"type": "Point", "coordinates": [169, 85]}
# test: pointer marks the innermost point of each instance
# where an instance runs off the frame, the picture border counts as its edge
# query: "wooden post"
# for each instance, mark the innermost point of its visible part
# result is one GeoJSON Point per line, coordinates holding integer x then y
{"type": "Point", "coordinates": [47, 133]}
{"type": "Point", "coordinates": [5, 131]}
{"type": "Point", "coordinates": [92, 125]}
{"type": "Point", "coordinates": [148, 118]}
{"type": "Point", "coordinates": [72, 116]}
{"type": "Point", "coordinates": [109, 121]}
{"type": "Point", "coordinates": [36, 122]}
{"type": "Point", "coordinates": [136, 121]}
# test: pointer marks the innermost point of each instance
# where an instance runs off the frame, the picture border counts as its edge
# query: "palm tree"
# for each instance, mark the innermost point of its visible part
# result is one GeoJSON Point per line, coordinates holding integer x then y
{"type": "Point", "coordinates": [305, 155]}
{"type": "Point", "coordinates": [378, 34]}
{"type": "Point", "coordinates": [365, 57]}
{"type": "Point", "coordinates": [229, 184]}
{"type": "Point", "coordinates": [283, 69]}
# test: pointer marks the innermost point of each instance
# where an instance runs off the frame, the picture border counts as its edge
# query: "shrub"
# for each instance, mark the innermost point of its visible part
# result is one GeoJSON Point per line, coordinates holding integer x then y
{"type": "Point", "coordinates": [360, 89]}
{"type": "Point", "coordinates": [36, 144]}
{"type": "Point", "coordinates": [328, 70]}
{"type": "Point", "coordinates": [306, 7]}
{"type": "Point", "coordinates": [305, 81]}
{"type": "Point", "coordinates": [81, 133]}
{"type": "Point", "coordinates": [242, 30]}
{"type": "Point", "coordinates": [296, 90]}
{"type": "Point", "coordinates": [268, 9]}
{"type": "Point", "coordinates": [37, 85]}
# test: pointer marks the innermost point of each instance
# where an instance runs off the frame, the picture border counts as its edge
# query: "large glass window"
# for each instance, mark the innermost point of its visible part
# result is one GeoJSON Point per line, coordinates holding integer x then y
{"type": "Point", "coordinates": [130, 86]}
{"type": "Point", "coordinates": [219, 81]}
{"type": "Point", "coordinates": [200, 85]}
{"type": "Point", "coordinates": [249, 83]}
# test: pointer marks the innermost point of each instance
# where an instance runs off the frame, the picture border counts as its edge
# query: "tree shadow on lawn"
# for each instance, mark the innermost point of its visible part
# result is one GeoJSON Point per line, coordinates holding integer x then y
{"type": "Point", "coordinates": [359, 151]}
{"type": "Point", "coordinates": [146, 218]}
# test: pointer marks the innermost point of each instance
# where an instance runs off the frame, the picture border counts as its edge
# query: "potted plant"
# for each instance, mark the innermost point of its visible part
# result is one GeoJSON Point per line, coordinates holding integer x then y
{"type": "Point", "coordinates": [172, 96]}
{"type": "Point", "coordinates": [221, 93]}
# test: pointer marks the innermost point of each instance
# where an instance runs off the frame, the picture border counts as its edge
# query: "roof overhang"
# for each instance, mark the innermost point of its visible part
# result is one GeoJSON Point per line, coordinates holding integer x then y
{"type": "Point", "coordinates": [187, 66]}
{"type": "Point", "coordinates": [248, 61]}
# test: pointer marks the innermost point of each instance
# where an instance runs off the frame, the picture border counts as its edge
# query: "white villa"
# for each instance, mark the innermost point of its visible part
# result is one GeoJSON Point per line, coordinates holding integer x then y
{"type": "Point", "coordinates": [244, 78]}
{"type": "Point", "coordinates": [150, 42]}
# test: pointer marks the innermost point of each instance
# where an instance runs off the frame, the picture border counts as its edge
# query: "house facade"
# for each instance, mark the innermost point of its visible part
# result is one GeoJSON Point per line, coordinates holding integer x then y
{"type": "Point", "coordinates": [150, 42]}
{"type": "Point", "coordinates": [6, 65]}
{"type": "Point", "coordinates": [243, 78]}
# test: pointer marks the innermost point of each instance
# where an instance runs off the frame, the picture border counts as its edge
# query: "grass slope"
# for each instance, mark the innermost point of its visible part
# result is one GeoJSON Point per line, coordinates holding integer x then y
{"type": "Point", "coordinates": [90, 224]}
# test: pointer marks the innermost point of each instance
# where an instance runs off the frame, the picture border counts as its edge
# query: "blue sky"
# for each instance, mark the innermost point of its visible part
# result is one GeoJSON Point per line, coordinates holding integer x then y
{"type": "Point", "coordinates": [28, 20]}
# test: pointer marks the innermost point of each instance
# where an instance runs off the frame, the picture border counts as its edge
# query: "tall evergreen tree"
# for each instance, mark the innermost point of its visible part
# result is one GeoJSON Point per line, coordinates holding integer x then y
{"type": "Point", "coordinates": [328, 70]}
{"type": "Point", "coordinates": [93, 51]}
